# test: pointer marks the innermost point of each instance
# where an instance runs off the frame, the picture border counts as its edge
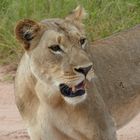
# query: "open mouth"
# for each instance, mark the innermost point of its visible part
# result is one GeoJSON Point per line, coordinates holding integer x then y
{"type": "Point", "coordinates": [77, 90]}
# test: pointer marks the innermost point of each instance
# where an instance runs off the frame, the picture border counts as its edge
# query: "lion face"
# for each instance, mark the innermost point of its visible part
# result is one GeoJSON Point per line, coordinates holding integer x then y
{"type": "Point", "coordinates": [57, 53]}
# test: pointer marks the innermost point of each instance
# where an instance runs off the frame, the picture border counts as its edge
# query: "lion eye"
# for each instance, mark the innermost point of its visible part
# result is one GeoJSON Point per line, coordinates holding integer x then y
{"type": "Point", "coordinates": [55, 48]}
{"type": "Point", "coordinates": [82, 41]}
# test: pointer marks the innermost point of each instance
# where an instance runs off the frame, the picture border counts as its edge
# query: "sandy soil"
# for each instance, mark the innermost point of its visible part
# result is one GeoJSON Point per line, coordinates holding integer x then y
{"type": "Point", "coordinates": [12, 127]}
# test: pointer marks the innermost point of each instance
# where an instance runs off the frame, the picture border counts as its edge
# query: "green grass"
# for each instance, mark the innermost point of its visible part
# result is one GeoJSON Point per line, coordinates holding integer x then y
{"type": "Point", "coordinates": [105, 18]}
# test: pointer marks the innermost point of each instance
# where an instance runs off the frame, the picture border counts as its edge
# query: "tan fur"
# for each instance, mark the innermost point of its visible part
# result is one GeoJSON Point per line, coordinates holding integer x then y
{"type": "Point", "coordinates": [117, 66]}
{"type": "Point", "coordinates": [45, 111]}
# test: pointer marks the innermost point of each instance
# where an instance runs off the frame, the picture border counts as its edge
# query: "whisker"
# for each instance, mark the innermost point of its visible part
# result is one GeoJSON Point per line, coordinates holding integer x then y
{"type": "Point", "coordinates": [71, 76]}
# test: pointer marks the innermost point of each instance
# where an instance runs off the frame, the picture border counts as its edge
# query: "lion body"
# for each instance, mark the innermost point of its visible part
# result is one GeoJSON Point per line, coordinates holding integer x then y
{"type": "Point", "coordinates": [117, 65]}
{"type": "Point", "coordinates": [112, 99]}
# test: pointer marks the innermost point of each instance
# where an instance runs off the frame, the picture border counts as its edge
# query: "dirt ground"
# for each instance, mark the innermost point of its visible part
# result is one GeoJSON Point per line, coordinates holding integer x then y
{"type": "Point", "coordinates": [12, 127]}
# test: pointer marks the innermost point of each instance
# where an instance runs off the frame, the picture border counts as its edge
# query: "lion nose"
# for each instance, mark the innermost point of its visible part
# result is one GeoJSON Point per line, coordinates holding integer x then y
{"type": "Point", "coordinates": [83, 70]}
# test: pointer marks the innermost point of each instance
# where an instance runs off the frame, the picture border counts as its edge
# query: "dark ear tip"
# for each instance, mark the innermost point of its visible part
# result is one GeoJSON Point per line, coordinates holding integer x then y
{"type": "Point", "coordinates": [26, 30]}
{"type": "Point", "coordinates": [22, 23]}
{"type": "Point", "coordinates": [19, 28]}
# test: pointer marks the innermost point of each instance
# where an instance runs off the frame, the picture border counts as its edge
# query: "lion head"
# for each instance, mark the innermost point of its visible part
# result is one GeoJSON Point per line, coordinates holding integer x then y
{"type": "Point", "coordinates": [57, 54]}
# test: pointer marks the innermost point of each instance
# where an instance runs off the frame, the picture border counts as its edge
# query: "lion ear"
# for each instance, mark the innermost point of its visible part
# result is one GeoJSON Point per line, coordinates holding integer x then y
{"type": "Point", "coordinates": [77, 14]}
{"type": "Point", "coordinates": [25, 31]}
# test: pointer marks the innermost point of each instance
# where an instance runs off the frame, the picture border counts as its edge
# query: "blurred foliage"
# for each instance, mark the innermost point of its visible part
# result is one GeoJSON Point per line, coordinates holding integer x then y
{"type": "Point", "coordinates": [105, 17]}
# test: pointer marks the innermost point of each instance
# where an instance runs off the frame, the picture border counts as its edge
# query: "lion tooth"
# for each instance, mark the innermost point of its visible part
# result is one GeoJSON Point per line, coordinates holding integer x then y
{"type": "Point", "coordinates": [73, 88]}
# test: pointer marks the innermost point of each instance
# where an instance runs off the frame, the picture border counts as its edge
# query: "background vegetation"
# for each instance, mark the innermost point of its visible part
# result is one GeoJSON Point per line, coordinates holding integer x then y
{"type": "Point", "coordinates": [105, 17]}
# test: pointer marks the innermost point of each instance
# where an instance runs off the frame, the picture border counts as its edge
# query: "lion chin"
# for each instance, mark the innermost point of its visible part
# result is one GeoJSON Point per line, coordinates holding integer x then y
{"type": "Point", "coordinates": [76, 100]}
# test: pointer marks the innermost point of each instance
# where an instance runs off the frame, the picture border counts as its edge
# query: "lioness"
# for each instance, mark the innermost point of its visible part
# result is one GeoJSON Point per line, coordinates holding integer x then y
{"type": "Point", "coordinates": [56, 90]}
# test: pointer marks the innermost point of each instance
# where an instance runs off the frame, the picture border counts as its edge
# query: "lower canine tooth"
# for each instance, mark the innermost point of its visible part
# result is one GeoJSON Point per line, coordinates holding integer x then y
{"type": "Point", "coordinates": [73, 88]}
